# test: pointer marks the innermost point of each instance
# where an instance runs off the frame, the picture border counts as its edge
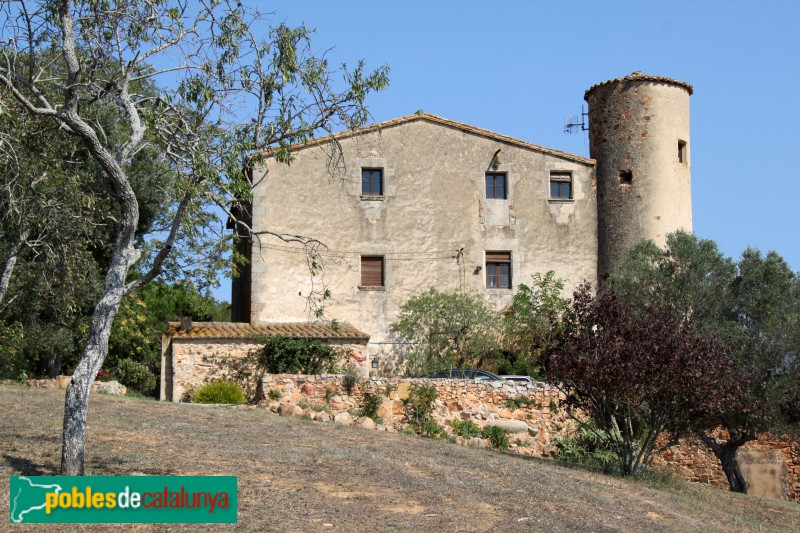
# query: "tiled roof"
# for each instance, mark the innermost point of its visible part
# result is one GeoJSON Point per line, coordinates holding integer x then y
{"type": "Point", "coordinates": [640, 76]}
{"type": "Point", "coordinates": [234, 330]}
{"type": "Point", "coordinates": [421, 115]}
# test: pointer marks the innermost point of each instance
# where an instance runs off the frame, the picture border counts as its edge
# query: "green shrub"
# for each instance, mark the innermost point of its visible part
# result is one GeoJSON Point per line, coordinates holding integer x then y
{"type": "Point", "coordinates": [370, 405]}
{"type": "Point", "coordinates": [419, 405]}
{"type": "Point", "coordinates": [496, 435]}
{"type": "Point", "coordinates": [219, 392]}
{"type": "Point", "coordinates": [587, 447]}
{"type": "Point", "coordinates": [467, 429]}
{"type": "Point", "coordinates": [50, 349]}
{"type": "Point", "coordinates": [274, 394]}
{"type": "Point", "coordinates": [447, 330]}
{"type": "Point", "coordinates": [508, 363]}
{"type": "Point", "coordinates": [432, 430]}
{"type": "Point", "coordinates": [135, 375]}
{"type": "Point", "coordinates": [283, 355]}
{"type": "Point", "coordinates": [350, 379]}
{"type": "Point", "coordinates": [13, 363]}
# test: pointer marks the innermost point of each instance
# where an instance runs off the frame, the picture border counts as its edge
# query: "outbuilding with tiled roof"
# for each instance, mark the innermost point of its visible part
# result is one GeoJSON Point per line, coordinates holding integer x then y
{"type": "Point", "coordinates": [193, 353]}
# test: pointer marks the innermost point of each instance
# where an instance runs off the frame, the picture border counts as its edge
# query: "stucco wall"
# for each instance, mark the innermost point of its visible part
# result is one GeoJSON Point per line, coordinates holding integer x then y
{"type": "Point", "coordinates": [433, 224]}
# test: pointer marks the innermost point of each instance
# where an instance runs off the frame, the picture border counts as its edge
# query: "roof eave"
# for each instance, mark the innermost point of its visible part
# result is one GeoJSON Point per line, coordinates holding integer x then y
{"type": "Point", "coordinates": [420, 115]}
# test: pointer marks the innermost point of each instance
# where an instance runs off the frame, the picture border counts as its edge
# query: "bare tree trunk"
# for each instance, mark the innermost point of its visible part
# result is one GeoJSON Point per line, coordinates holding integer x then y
{"type": "Point", "coordinates": [11, 261]}
{"type": "Point", "coordinates": [76, 403]}
{"type": "Point", "coordinates": [730, 466]}
{"type": "Point", "coordinates": [726, 453]}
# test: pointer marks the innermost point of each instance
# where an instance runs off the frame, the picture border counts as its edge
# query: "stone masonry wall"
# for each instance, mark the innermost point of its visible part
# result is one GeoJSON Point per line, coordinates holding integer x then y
{"type": "Point", "coordinates": [779, 458]}
{"type": "Point", "coordinates": [532, 413]}
{"type": "Point", "coordinates": [192, 362]}
{"type": "Point", "coordinates": [533, 426]}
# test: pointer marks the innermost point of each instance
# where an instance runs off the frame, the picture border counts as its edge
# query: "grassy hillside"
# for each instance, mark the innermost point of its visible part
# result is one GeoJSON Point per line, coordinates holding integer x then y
{"type": "Point", "coordinates": [297, 475]}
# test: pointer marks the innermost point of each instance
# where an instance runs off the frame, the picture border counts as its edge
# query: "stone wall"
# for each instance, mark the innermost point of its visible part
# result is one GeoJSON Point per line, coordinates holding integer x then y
{"type": "Point", "coordinates": [188, 363]}
{"type": "Point", "coordinates": [533, 426]}
{"type": "Point", "coordinates": [771, 466]}
{"type": "Point", "coordinates": [533, 414]}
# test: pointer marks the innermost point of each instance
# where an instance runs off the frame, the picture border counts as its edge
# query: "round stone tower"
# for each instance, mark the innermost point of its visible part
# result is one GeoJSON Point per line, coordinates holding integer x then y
{"type": "Point", "coordinates": [639, 135]}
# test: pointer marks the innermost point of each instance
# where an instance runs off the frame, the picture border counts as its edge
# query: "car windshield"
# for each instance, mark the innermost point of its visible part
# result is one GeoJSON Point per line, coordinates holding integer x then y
{"type": "Point", "coordinates": [459, 373]}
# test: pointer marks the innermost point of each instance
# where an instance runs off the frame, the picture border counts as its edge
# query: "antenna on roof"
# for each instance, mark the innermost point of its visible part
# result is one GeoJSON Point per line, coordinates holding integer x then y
{"type": "Point", "coordinates": [573, 122]}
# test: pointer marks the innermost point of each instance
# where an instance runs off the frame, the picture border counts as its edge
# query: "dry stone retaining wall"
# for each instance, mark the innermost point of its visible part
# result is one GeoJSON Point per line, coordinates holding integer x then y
{"type": "Point", "coordinates": [534, 426]}
{"type": "Point", "coordinates": [771, 465]}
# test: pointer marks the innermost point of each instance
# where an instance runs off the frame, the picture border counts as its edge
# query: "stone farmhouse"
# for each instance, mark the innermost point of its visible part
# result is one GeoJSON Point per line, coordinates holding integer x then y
{"type": "Point", "coordinates": [425, 201]}
{"type": "Point", "coordinates": [430, 202]}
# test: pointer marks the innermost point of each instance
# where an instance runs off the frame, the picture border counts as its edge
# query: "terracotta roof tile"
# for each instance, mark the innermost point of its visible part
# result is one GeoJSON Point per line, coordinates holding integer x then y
{"type": "Point", "coordinates": [640, 76]}
{"type": "Point", "coordinates": [233, 330]}
{"type": "Point", "coordinates": [421, 115]}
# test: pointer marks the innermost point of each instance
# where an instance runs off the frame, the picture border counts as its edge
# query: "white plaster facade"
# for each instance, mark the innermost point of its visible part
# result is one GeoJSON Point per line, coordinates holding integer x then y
{"type": "Point", "coordinates": [433, 224]}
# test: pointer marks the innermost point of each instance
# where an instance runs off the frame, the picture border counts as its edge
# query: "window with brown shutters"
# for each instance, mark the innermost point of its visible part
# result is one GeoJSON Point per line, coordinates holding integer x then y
{"type": "Point", "coordinates": [371, 271]}
{"type": "Point", "coordinates": [498, 270]}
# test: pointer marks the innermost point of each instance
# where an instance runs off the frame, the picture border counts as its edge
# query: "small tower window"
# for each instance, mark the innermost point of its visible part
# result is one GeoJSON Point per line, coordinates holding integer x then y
{"type": "Point", "coordinates": [682, 151]}
{"type": "Point", "coordinates": [625, 177]}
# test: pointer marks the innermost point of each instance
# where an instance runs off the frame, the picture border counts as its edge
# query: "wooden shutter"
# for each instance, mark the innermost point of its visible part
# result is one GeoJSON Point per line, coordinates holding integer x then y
{"type": "Point", "coordinates": [498, 257]}
{"type": "Point", "coordinates": [372, 271]}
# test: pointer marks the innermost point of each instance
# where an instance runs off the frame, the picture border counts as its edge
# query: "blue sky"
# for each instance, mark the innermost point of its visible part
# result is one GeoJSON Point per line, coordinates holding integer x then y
{"type": "Point", "coordinates": [519, 67]}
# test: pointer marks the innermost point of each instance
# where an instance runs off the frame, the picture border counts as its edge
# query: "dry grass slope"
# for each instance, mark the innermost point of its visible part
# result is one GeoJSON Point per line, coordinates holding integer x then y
{"type": "Point", "coordinates": [297, 475]}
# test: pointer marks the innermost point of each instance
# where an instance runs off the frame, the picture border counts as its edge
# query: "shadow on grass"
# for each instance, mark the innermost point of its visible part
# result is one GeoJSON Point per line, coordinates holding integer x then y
{"type": "Point", "coordinates": [655, 477]}
{"type": "Point", "coordinates": [26, 467]}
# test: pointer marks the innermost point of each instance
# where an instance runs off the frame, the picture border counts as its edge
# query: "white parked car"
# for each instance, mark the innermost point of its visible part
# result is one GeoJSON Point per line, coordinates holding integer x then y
{"type": "Point", "coordinates": [519, 379]}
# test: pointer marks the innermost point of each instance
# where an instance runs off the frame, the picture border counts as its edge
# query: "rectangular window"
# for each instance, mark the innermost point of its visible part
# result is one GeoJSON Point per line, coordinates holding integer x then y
{"type": "Point", "coordinates": [496, 186]}
{"type": "Point", "coordinates": [371, 271]}
{"type": "Point", "coordinates": [561, 185]}
{"type": "Point", "coordinates": [498, 270]}
{"type": "Point", "coordinates": [372, 181]}
{"type": "Point", "coordinates": [681, 151]}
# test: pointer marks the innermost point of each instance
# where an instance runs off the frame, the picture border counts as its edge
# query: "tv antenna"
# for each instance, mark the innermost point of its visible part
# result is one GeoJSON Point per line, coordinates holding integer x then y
{"type": "Point", "coordinates": [574, 123]}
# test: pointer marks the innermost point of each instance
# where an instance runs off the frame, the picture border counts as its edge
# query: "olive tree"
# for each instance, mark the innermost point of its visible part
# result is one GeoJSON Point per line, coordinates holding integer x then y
{"type": "Point", "coordinates": [446, 329]}
{"type": "Point", "coordinates": [755, 303]}
{"type": "Point", "coordinates": [532, 323]}
{"type": "Point", "coordinates": [61, 58]}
